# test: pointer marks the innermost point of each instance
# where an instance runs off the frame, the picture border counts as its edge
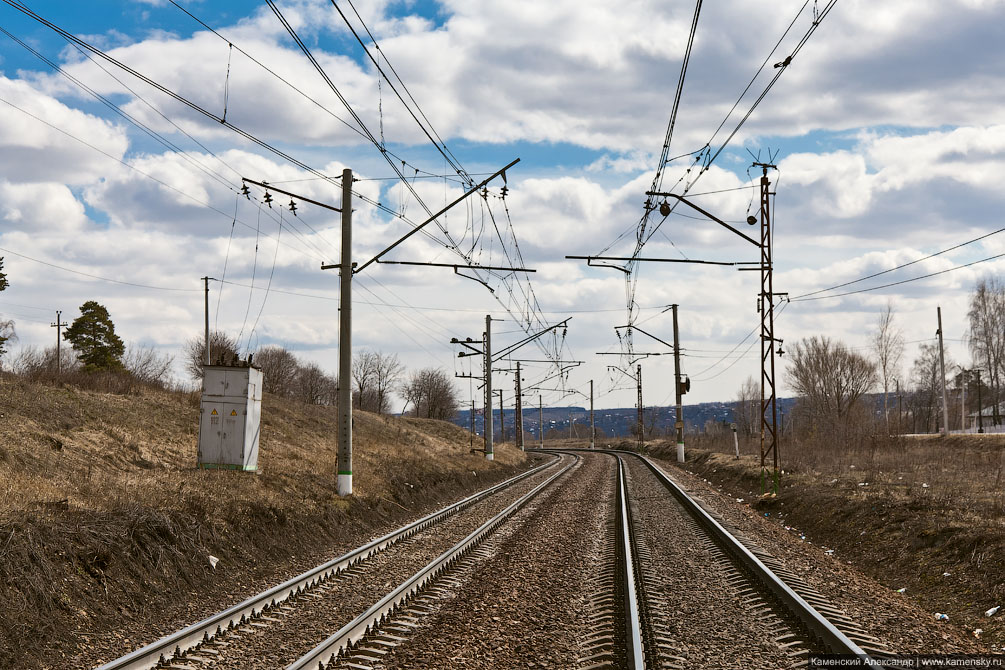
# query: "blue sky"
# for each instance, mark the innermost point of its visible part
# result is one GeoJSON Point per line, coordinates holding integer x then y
{"type": "Point", "coordinates": [887, 152]}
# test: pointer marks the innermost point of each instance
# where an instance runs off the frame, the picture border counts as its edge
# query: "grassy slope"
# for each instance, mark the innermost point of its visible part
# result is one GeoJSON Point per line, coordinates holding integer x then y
{"type": "Point", "coordinates": [903, 513]}
{"type": "Point", "coordinates": [102, 511]}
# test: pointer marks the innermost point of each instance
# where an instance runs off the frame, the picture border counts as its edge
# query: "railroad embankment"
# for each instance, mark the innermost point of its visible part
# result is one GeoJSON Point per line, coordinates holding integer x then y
{"type": "Point", "coordinates": [923, 515]}
{"type": "Point", "coordinates": [107, 528]}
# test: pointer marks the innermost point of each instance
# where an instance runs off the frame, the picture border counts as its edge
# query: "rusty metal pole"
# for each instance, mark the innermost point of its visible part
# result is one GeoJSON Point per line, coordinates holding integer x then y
{"type": "Point", "coordinates": [769, 403]}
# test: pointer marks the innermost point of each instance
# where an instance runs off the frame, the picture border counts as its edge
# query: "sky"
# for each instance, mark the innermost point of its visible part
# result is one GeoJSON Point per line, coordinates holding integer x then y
{"type": "Point", "coordinates": [884, 128]}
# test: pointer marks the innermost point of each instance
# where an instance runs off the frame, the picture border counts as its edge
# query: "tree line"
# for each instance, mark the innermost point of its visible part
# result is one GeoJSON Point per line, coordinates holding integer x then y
{"type": "Point", "coordinates": [835, 383]}
{"type": "Point", "coordinates": [96, 357]}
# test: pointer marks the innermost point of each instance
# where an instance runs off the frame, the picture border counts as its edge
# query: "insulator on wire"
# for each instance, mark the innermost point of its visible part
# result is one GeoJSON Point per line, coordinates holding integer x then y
{"type": "Point", "coordinates": [293, 207]}
{"type": "Point", "coordinates": [268, 199]}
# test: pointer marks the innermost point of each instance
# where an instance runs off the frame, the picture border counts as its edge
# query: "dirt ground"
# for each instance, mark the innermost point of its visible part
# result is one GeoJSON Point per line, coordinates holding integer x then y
{"type": "Point", "coordinates": [927, 517]}
{"type": "Point", "coordinates": [105, 520]}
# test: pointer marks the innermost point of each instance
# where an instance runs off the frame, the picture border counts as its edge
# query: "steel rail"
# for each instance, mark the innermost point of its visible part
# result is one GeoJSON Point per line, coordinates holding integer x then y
{"type": "Point", "coordinates": [633, 629]}
{"type": "Point", "coordinates": [823, 630]}
{"type": "Point", "coordinates": [816, 624]}
{"type": "Point", "coordinates": [167, 647]}
{"type": "Point", "coordinates": [346, 638]}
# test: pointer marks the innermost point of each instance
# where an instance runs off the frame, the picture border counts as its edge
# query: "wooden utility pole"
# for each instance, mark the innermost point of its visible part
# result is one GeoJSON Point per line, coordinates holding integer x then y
{"type": "Point", "coordinates": [59, 325]}
{"type": "Point", "coordinates": [942, 369]}
{"type": "Point", "coordinates": [963, 401]}
{"type": "Point", "coordinates": [205, 281]}
{"type": "Point", "coordinates": [519, 409]}
{"type": "Point", "coordinates": [679, 417]}
{"type": "Point", "coordinates": [980, 404]}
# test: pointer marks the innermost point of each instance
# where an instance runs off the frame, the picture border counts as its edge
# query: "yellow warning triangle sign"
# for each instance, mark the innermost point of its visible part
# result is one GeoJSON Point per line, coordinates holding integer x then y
{"type": "Point", "coordinates": [233, 412]}
{"type": "Point", "coordinates": [213, 412]}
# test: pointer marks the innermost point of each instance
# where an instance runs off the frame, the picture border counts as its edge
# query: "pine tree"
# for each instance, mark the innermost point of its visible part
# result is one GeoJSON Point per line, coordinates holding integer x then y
{"type": "Point", "coordinates": [92, 335]}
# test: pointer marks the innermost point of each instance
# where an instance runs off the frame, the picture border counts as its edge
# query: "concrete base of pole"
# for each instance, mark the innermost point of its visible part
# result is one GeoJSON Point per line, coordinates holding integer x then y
{"type": "Point", "coordinates": [680, 452]}
{"type": "Point", "coordinates": [489, 457]}
{"type": "Point", "coordinates": [345, 485]}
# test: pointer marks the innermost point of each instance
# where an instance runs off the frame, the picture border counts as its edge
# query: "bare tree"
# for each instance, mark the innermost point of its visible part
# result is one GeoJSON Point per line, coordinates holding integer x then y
{"type": "Point", "coordinates": [7, 334]}
{"type": "Point", "coordinates": [374, 375]}
{"type": "Point", "coordinates": [431, 394]}
{"type": "Point", "coordinates": [222, 348]}
{"type": "Point", "coordinates": [387, 376]}
{"type": "Point", "coordinates": [40, 364]}
{"type": "Point", "coordinates": [987, 333]}
{"type": "Point", "coordinates": [748, 401]}
{"type": "Point", "coordinates": [279, 370]}
{"type": "Point", "coordinates": [927, 377]}
{"type": "Point", "coordinates": [313, 386]}
{"type": "Point", "coordinates": [830, 378]}
{"type": "Point", "coordinates": [888, 343]}
{"type": "Point", "coordinates": [146, 365]}
{"type": "Point", "coordinates": [364, 371]}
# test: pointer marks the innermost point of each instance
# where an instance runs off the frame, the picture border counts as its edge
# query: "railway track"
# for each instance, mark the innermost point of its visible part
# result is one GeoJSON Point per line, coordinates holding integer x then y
{"type": "Point", "coordinates": [600, 562]}
{"type": "Point", "coordinates": [210, 642]}
{"type": "Point", "coordinates": [713, 599]}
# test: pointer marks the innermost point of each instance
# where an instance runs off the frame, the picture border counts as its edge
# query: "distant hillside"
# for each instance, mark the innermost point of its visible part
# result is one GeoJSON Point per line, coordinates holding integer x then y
{"type": "Point", "coordinates": [614, 422]}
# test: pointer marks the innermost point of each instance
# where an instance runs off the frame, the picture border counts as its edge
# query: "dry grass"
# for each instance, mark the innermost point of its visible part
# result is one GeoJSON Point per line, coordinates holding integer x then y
{"type": "Point", "coordinates": [102, 510]}
{"type": "Point", "coordinates": [906, 510]}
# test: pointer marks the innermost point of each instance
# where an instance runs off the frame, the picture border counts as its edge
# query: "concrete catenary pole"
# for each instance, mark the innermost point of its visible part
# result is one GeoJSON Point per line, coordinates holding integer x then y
{"type": "Point", "coordinates": [345, 343]}
{"type": "Point", "coordinates": [488, 388]}
{"type": "Point", "coordinates": [679, 417]}
{"type": "Point", "coordinates": [593, 425]}
{"type": "Point", "coordinates": [59, 325]}
{"type": "Point", "coordinates": [642, 426]}
{"type": "Point", "coordinates": [942, 370]}
{"type": "Point", "coordinates": [502, 418]}
{"type": "Point", "coordinates": [519, 409]}
{"type": "Point", "coordinates": [540, 418]}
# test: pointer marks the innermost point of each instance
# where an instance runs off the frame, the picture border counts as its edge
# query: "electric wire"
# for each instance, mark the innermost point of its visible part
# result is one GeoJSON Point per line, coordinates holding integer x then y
{"type": "Point", "coordinates": [271, 274]}
{"type": "Point", "coordinates": [898, 267]}
{"type": "Point", "coordinates": [904, 281]}
{"type": "Point", "coordinates": [133, 167]}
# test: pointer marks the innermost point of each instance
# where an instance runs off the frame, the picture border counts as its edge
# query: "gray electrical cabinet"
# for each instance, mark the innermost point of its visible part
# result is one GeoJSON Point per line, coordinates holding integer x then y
{"type": "Point", "coordinates": [230, 417]}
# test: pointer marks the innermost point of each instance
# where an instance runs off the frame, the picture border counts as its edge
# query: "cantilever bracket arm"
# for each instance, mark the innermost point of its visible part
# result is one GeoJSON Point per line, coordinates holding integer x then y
{"type": "Point", "coordinates": [707, 214]}
{"type": "Point", "coordinates": [513, 347]}
{"type": "Point", "coordinates": [269, 187]}
{"type": "Point", "coordinates": [432, 218]}
{"type": "Point", "coordinates": [632, 327]}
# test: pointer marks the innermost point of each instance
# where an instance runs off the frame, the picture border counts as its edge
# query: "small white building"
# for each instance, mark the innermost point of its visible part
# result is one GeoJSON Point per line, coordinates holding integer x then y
{"type": "Point", "coordinates": [230, 417]}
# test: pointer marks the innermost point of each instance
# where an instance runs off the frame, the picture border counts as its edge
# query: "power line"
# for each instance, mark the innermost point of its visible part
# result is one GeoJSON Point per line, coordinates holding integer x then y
{"type": "Point", "coordinates": [904, 265]}
{"type": "Point", "coordinates": [904, 281]}
{"type": "Point", "coordinates": [136, 169]}
{"type": "Point", "coordinates": [92, 276]}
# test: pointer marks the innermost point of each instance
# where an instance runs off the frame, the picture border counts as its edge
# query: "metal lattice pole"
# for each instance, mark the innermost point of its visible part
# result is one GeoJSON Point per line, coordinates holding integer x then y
{"type": "Point", "coordinates": [769, 402]}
